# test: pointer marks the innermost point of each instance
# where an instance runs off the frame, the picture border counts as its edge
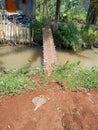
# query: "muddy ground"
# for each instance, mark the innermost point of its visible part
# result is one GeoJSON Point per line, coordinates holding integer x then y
{"type": "Point", "coordinates": [62, 110]}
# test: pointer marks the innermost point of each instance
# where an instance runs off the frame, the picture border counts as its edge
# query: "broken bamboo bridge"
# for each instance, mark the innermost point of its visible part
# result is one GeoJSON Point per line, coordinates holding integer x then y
{"type": "Point", "coordinates": [49, 52]}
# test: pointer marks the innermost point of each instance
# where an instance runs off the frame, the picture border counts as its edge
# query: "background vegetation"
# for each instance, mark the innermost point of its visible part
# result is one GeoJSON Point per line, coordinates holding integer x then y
{"type": "Point", "coordinates": [75, 31]}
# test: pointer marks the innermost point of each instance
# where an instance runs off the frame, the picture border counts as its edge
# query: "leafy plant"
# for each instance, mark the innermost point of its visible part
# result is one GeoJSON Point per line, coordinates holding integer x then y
{"type": "Point", "coordinates": [15, 81]}
{"type": "Point", "coordinates": [68, 35]}
{"type": "Point", "coordinates": [89, 36]}
{"type": "Point", "coordinates": [36, 27]}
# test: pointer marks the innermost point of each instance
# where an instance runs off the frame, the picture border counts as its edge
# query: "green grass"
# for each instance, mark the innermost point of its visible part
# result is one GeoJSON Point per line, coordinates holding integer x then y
{"type": "Point", "coordinates": [17, 81]}
{"type": "Point", "coordinates": [76, 77]}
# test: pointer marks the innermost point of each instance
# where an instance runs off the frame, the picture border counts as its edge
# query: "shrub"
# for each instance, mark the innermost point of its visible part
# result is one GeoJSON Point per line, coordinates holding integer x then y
{"type": "Point", "coordinates": [89, 36]}
{"type": "Point", "coordinates": [37, 28]}
{"type": "Point", "coordinates": [68, 35]}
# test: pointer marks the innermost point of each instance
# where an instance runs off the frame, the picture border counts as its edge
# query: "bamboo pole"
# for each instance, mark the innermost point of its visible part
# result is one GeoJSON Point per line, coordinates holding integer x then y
{"type": "Point", "coordinates": [24, 35]}
{"type": "Point", "coordinates": [15, 34]}
{"type": "Point", "coordinates": [19, 33]}
{"type": "Point", "coordinates": [28, 35]}
{"type": "Point", "coordinates": [0, 26]}
{"type": "Point", "coordinates": [9, 26]}
{"type": "Point", "coordinates": [32, 36]}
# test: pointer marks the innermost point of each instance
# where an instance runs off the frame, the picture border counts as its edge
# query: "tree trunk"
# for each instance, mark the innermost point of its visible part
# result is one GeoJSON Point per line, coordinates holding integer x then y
{"type": "Point", "coordinates": [58, 4]}
{"type": "Point", "coordinates": [34, 9]}
{"type": "Point", "coordinates": [92, 15]}
{"type": "Point", "coordinates": [43, 13]}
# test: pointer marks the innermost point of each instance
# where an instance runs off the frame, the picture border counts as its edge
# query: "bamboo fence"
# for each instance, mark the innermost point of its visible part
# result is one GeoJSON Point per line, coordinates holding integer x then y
{"type": "Point", "coordinates": [13, 33]}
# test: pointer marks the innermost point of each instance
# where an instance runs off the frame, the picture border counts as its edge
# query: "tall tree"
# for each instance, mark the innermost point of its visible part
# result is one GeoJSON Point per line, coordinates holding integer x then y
{"type": "Point", "coordinates": [57, 13]}
{"type": "Point", "coordinates": [92, 15]}
{"type": "Point", "coordinates": [34, 9]}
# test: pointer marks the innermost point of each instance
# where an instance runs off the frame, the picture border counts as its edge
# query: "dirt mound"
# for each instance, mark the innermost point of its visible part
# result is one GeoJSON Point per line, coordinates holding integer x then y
{"type": "Point", "coordinates": [63, 110]}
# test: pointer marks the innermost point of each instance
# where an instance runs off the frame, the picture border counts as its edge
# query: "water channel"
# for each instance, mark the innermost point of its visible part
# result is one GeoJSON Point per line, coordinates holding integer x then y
{"type": "Point", "coordinates": [14, 57]}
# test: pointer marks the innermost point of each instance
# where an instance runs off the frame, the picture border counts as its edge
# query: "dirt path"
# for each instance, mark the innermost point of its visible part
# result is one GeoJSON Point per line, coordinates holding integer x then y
{"type": "Point", "coordinates": [63, 110]}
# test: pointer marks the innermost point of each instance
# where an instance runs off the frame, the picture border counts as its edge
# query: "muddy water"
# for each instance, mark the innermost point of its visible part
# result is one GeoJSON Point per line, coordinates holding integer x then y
{"type": "Point", "coordinates": [87, 58]}
{"type": "Point", "coordinates": [11, 58]}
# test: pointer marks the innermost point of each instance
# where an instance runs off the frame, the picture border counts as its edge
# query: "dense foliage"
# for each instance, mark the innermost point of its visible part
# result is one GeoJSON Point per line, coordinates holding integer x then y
{"type": "Point", "coordinates": [36, 27]}
{"type": "Point", "coordinates": [75, 37]}
{"type": "Point", "coordinates": [89, 36]}
{"type": "Point", "coordinates": [68, 35]}
{"type": "Point", "coordinates": [71, 32]}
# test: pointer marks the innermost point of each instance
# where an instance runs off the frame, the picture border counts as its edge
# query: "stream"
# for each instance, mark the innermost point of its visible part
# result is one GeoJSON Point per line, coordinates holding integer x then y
{"type": "Point", "coordinates": [15, 57]}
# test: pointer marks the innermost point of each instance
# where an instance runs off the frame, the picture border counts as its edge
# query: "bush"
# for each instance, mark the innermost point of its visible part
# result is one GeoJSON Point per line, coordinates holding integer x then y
{"type": "Point", "coordinates": [68, 35]}
{"type": "Point", "coordinates": [37, 28]}
{"type": "Point", "coordinates": [89, 36]}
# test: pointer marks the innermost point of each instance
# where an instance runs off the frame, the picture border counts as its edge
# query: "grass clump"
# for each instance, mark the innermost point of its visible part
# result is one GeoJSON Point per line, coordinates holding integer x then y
{"type": "Point", "coordinates": [15, 81]}
{"type": "Point", "coordinates": [76, 77]}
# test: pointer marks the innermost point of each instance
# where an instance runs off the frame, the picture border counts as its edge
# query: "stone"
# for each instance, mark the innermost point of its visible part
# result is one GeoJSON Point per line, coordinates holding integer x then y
{"type": "Point", "coordinates": [38, 101]}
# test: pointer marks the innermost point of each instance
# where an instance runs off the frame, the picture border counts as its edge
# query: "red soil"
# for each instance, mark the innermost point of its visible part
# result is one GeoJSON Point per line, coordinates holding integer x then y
{"type": "Point", "coordinates": [64, 110]}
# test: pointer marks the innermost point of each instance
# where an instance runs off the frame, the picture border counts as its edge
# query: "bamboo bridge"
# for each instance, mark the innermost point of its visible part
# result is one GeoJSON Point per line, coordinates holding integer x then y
{"type": "Point", "coordinates": [49, 52]}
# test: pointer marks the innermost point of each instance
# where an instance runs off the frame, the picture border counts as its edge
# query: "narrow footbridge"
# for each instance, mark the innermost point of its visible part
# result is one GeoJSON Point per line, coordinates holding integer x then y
{"type": "Point", "coordinates": [49, 52]}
